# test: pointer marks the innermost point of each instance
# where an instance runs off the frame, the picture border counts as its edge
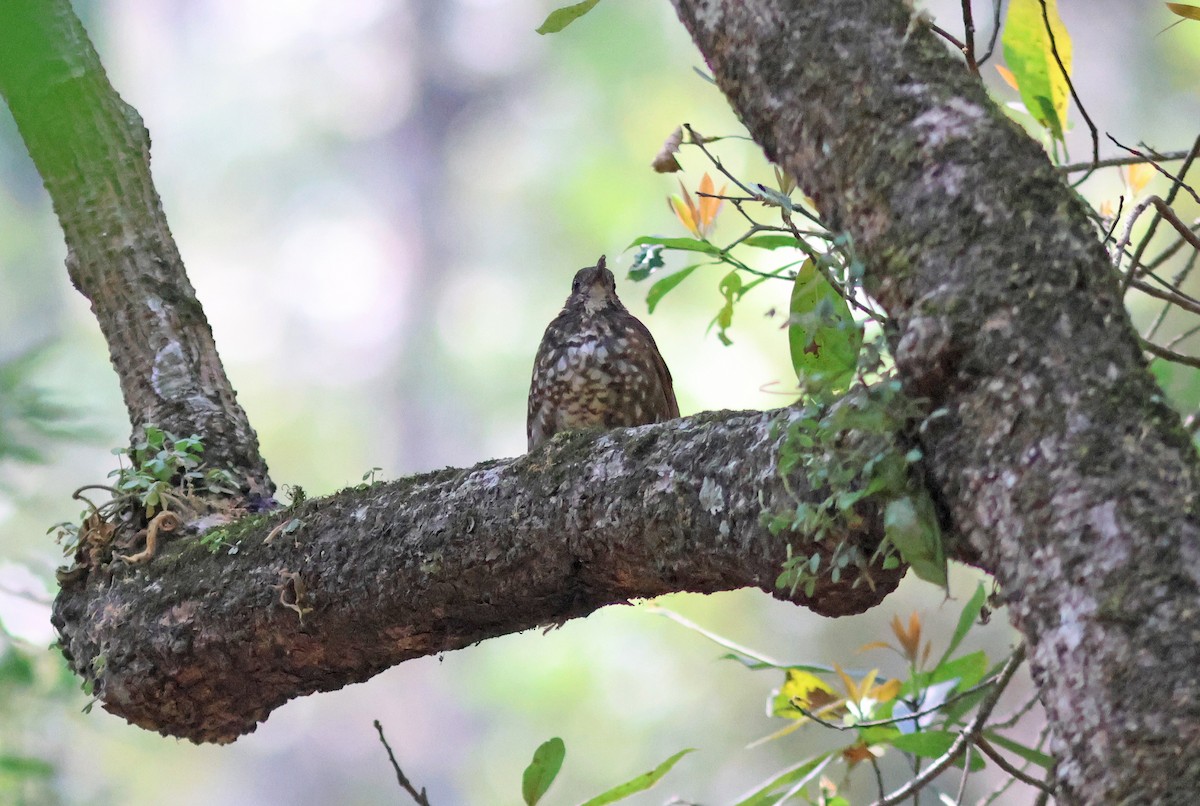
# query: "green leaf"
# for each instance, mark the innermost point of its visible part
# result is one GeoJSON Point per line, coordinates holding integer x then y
{"type": "Point", "coordinates": [1028, 52]}
{"type": "Point", "coordinates": [1028, 753]}
{"type": "Point", "coordinates": [682, 244]}
{"type": "Point", "coordinates": [912, 528]}
{"type": "Point", "coordinates": [646, 260]}
{"type": "Point", "coordinates": [822, 334]}
{"type": "Point", "coordinates": [25, 767]}
{"type": "Point", "coordinates": [15, 669]}
{"type": "Point", "coordinates": [926, 744]}
{"type": "Point", "coordinates": [542, 770]}
{"type": "Point", "coordinates": [797, 776]}
{"type": "Point", "coordinates": [771, 242]}
{"type": "Point", "coordinates": [665, 285]}
{"type": "Point", "coordinates": [966, 620]}
{"type": "Point", "coordinates": [560, 18]}
{"type": "Point", "coordinates": [639, 784]}
{"type": "Point", "coordinates": [730, 287]}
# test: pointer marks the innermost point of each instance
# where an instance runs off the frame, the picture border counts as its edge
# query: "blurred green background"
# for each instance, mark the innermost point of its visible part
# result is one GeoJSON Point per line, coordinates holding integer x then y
{"type": "Point", "coordinates": [381, 205]}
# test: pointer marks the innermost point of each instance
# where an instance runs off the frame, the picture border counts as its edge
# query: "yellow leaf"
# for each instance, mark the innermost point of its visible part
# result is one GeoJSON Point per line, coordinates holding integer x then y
{"type": "Point", "coordinates": [799, 688]}
{"type": "Point", "coordinates": [874, 645]}
{"type": "Point", "coordinates": [684, 212]}
{"type": "Point", "coordinates": [1139, 176]}
{"type": "Point", "coordinates": [867, 683]}
{"type": "Point", "coordinates": [1008, 77]}
{"type": "Point", "coordinates": [910, 637]}
{"type": "Point", "coordinates": [886, 692]}
{"type": "Point", "coordinates": [1185, 11]}
{"type": "Point", "coordinates": [709, 207]}
{"type": "Point", "coordinates": [851, 688]}
{"type": "Point", "coordinates": [1029, 50]}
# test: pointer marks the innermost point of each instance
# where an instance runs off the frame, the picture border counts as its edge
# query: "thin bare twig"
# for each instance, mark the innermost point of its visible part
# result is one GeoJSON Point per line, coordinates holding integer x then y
{"type": "Point", "coordinates": [1009, 767]}
{"type": "Point", "coordinates": [1008, 782]}
{"type": "Point", "coordinates": [419, 797]}
{"type": "Point", "coordinates": [962, 782]}
{"type": "Point", "coordinates": [1163, 211]}
{"type": "Point", "coordinates": [1117, 217]}
{"type": "Point", "coordinates": [1114, 162]}
{"type": "Point", "coordinates": [878, 723]}
{"type": "Point", "coordinates": [1016, 715]}
{"type": "Point", "coordinates": [949, 37]}
{"type": "Point", "coordinates": [1169, 355]}
{"type": "Point", "coordinates": [1177, 181]}
{"type": "Point", "coordinates": [1071, 86]}
{"type": "Point", "coordinates": [1173, 296]}
{"type": "Point", "coordinates": [1169, 252]}
{"type": "Point", "coordinates": [969, 36]}
{"type": "Point", "coordinates": [991, 48]}
{"type": "Point", "coordinates": [966, 737]}
{"type": "Point", "coordinates": [1185, 335]}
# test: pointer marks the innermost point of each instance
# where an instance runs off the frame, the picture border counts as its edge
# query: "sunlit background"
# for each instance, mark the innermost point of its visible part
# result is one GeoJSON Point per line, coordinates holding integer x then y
{"type": "Point", "coordinates": [381, 206]}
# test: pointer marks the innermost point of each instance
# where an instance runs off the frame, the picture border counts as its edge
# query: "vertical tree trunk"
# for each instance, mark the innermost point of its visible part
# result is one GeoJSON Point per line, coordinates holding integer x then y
{"type": "Point", "coordinates": [93, 154]}
{"type": "Point", "coordinates": [1051, 446]}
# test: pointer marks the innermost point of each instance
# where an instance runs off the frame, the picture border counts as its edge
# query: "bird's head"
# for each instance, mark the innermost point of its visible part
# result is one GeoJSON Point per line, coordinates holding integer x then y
{"type": "Point", "coordinates": [594, 288]}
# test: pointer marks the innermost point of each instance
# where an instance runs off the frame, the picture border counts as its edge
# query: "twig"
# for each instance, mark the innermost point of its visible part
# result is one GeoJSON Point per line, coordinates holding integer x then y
{"type": "Point", "coordinates": [1176, 184]}
{"type": "Point", "coordinates": [969, 36]}
{"type": "Point", "coordinates": [1114, 162]}
{"type": "Point", "coordinates": [1162, 211]}
{"type": "Point", "coordinates": [1071, 86]}
{"type": "Point", "coordinates": [878, 776]}
{"type": "Point", "coordinates": [699, 141]}
{"type": "Point", "coordinates": [1169, 355]}
{"type": "Point", "coordinates": [1008, 782]}
{"type": "Point", "coordinates": [1178, 298]}
{"type": "Point", "coordinates": [962, 782]}
{"type": "Point", "coordinates": [1176, 180]}
{"type": "Point", "coordinates": [878, 723]}
{"type": "Point", "coordinates": [1169, 252]}
{"type": "Point", "coordinates": [1117, 217]}
{"type": "Point", "coordinates": [1187, 334]}
{"type": "Point", "coordinates": [1016, 715]}
{"type": "Point", "coordinates": [966, 737]}
{"type": "Point", "coordinates": [995, 33]}
{"type": "Point", "coordinates": [949, 37]}
{"type": "Point", "coordinates": [419, 797]}
{"type": "Point", "coordinates": [26, 595]}
{"type": "Point", "coordinates": [1009, 767]}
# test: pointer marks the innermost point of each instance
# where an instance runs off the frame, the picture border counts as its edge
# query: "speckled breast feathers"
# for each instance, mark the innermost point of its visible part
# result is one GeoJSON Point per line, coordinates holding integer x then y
{"type": "Point", "coordinates": [597, 365]}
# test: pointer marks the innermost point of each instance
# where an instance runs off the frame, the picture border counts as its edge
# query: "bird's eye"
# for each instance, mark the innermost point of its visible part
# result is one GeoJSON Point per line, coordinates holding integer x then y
{"type": "Point", "coordinates": [574, 286]}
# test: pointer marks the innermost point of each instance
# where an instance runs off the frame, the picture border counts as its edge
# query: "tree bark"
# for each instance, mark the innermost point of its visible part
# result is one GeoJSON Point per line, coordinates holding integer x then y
{"type": "Point", "coordinates": [204, 645]}
{"type": "Point", "coordinates": [93, 154]}
{"type": "Point", "coordinates": [1051, 447]}
{"type": "Point", "coordinates": [1061, 468]}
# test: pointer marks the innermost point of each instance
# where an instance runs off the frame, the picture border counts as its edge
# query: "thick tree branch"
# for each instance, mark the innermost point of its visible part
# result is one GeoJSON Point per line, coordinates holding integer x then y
{"type": "Point", "coordinates": [93, 154]}
{"type": "Point", "coordinates": [204, 646]}
{"type": "Point", "coordinates": [1052, 449]}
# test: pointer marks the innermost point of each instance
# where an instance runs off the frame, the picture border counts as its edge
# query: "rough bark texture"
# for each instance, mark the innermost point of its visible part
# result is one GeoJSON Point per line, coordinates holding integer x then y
{"type": "Point", "coordinates": [202, 645]}
{"type": "Point", "coordinates": [93, 154]}
{"type": "Point", "coordinates": [1053, 450]}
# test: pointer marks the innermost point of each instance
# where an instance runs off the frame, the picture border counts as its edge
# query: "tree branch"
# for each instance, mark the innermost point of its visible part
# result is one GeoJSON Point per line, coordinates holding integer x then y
{"type": "Point", "coordinates": [1051, 449]}
{"type": "Point", "coordinates": [203, 646]}
{"type": "Point", "coordinates": [93, 154]}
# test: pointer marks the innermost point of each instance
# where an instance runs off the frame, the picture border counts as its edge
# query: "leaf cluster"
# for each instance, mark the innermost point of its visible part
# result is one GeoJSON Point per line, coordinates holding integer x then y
{"type": "Point", "coordinates": [165, 472]}
{"type": "Point", "coordinates": [851, 451]}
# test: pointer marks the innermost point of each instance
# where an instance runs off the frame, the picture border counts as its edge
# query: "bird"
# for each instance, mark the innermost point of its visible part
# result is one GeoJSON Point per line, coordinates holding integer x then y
{"type": "Point", "coordinates": [597, 365]}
